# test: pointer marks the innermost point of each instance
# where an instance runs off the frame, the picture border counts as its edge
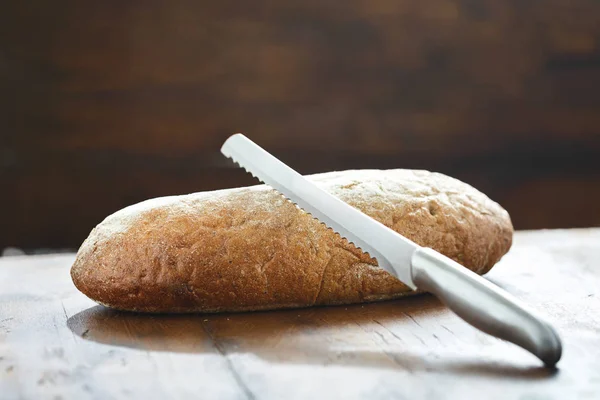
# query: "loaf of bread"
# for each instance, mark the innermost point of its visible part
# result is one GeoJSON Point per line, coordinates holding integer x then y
{"type": "Point", "coordinates": [250, 249]}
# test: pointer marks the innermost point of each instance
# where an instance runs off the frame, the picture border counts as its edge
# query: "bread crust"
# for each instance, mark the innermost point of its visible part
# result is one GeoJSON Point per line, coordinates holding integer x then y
{"type": "Point", "coordinates": [250, 249]}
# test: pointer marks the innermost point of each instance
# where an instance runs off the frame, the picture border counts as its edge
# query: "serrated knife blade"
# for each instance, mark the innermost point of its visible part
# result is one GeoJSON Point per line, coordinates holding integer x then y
{"type": "Point", "coordinates": [474, 299]}
{"type": "Point", "coordinates": [363, 231]}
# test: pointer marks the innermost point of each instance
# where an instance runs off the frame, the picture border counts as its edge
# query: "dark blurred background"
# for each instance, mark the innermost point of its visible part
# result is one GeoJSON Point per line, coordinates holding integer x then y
{"type": "Point", "coordinates": [107, 103]}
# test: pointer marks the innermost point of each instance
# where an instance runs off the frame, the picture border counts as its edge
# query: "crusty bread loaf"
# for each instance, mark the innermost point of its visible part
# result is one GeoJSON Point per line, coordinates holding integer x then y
{"type": "Point", "coordinates": [250, 249]}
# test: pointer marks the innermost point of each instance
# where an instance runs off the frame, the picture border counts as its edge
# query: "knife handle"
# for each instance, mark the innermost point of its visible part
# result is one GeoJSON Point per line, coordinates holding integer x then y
{"type": "Point", "coordinates": [484, 305]}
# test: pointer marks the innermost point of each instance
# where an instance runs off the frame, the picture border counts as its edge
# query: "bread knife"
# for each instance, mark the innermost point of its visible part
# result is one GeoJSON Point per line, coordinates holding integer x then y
{"type": "Point", "coordinates": [476, 300]}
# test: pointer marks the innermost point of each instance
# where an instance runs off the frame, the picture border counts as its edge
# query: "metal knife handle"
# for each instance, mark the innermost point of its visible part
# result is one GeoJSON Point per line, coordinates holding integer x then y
{"type": "Point", "coordinates": [483, 305]}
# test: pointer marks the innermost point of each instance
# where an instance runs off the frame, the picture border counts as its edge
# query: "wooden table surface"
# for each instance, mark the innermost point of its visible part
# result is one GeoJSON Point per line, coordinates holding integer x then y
{"type": "Point", "coordinates": [57, 344]}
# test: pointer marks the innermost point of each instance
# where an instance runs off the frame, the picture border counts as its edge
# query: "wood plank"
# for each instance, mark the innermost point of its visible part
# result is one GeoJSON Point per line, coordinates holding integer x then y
{"type": "Point", "coordinates": [111, 103]}
{"type": "Point", "coordinates": [56, 343]}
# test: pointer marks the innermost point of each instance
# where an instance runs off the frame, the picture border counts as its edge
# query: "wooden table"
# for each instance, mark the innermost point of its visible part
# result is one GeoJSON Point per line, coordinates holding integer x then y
{"type": "Point", "coordinates": [57, 344]}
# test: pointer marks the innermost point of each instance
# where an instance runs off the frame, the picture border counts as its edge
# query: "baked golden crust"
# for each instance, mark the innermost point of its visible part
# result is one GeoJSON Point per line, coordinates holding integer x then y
{"type": "Point", "coordinates": [250, 249]}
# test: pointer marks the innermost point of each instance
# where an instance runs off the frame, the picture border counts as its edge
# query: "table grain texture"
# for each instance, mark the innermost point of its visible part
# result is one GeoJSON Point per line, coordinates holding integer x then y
{"type": "Point", "coordinates": [57, 344]}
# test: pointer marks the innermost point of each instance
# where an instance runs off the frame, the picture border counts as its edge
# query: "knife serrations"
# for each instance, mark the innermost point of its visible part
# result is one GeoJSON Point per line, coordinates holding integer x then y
{"type": "Point", "coordinates": [392, 251]}
{"type": "Point", "coordinates": [300, 208]}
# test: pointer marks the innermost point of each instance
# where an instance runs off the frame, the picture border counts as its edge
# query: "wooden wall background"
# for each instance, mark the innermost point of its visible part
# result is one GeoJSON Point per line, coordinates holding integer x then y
{"type": "Point", "coordinates": [106, 103]}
